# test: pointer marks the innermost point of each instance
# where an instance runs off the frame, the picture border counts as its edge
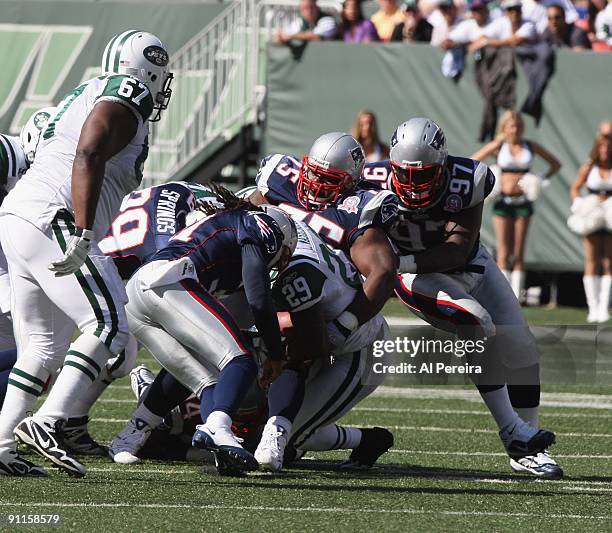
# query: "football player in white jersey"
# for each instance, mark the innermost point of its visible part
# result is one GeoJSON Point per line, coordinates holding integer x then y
{"type": "Point", "coordinates": [449, 279]}
{"type": "Point", "coordinates": [16, 155]}
{"type": "Point", "coordinates": [316, 287]}
{"type": "Point", "coordinates": [89, 157]}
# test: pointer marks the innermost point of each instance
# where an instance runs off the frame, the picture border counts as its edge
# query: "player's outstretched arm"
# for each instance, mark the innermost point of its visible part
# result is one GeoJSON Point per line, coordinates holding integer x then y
{"type": "Point", "coordinates": [108, 129]}
{"type": "Point", "coordinates": [461, 235]}
{"type": "Point", "coordinates": [373, 256]}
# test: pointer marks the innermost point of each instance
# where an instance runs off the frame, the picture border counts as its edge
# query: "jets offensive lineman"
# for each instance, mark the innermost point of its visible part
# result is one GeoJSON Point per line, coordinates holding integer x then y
{"type": "Point", "coordinates": [90, 156]}
{"type": "Point", "coordinates": [448, 278]}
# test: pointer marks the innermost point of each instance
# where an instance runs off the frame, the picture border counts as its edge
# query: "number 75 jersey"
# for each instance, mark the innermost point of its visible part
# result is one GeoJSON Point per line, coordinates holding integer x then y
{"type": "Point", "coordinates": [468, 183]}
{"type": "Point", "coordinates": [339, 224]}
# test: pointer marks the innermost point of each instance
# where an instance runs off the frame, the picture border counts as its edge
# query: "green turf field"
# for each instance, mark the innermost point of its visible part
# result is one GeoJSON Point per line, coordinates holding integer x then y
{"type": "Point", "coordinates": [446, 472]}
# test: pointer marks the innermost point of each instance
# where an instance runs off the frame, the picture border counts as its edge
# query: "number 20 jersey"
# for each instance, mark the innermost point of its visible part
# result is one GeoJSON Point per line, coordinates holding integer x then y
{"type": "Point", "coordinates": [468, 183]}
{"type": "Point", "coordinates": [338, 225]}
{"type": "Point", "coordinates": [46, 186]}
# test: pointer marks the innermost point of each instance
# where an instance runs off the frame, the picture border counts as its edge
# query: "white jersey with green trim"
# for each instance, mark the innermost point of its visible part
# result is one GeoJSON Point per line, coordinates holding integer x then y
{"type": "Point", "coordinates": [46, 186]}
{"type": "Point", "coordinates": [319, 274]}
{"type": "Point", "coordinates": [13, 163]}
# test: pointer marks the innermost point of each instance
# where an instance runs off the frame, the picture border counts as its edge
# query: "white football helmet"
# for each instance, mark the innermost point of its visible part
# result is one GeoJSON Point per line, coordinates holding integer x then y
{"type": "Point", "coordinates": [30, 133]}
{"type": "Point", "coordinates": [289, 231]}
{"type": "Point", "coordinates": [143, 56]}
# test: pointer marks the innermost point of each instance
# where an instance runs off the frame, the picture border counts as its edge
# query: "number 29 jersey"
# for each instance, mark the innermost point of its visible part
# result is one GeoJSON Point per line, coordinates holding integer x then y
{"type": "Point", "coordinates": [46, 186]}
{"type": "Point", "coordinates": [468, 183]}
{"type": "Point", "coordinates": [338, 225]}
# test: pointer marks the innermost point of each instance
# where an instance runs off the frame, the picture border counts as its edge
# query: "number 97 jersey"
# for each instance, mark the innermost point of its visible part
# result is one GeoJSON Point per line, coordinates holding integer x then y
{"type": "Point", "coordinates": [146, 222]}
{"type": "Point", "coordinates": [468, 183]}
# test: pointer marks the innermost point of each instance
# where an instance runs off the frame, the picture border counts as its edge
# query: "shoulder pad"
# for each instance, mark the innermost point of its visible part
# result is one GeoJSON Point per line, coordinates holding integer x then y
{"type": "Point", "coordinates": [299, 287]}
{"type": "Point", "coordinates": [483, 183]}
{"type": "Point", "coordinates": [267, 166]}
{"type": "Point", "coordinates": [380, 209]}
{"type": "Point", "coordinates": [130, 92]}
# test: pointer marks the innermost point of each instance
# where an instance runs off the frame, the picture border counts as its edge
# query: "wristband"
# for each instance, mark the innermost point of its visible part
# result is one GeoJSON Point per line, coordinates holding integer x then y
{"type": "Point", "coordinates": [348, 321]}
{"type": "Point", "coordinates": [86, 234]}
{"type": "Point", "coordinates": [407, 264]}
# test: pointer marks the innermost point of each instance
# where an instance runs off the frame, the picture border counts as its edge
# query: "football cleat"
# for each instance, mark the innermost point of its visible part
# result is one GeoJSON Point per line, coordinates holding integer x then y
{"type": "Point", "coordinates": [140, 380]}
{"type": "Point", "coordinates": [540, 465]}
{"type": "Point", "coordinates": [374, 442]}
{"type": "Point", "coordinates": [230, 457]}
{"type": "Point", "coordinates": [11, 464]}
{"type": "Point", "coordinates": [44, 436]}
{"type": "Point", "coordinates": [126, 445]}
{"type": "Point", "coordinates": [78, 441]}
{"type": "Point", "coordinates": [522, 439]}
{"type": "Point", "coordinates": [271, 449]}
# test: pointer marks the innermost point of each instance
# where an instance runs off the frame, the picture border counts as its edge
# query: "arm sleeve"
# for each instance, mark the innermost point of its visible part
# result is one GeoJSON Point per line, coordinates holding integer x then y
{"type": "Point", "coordinates": [256, 282]}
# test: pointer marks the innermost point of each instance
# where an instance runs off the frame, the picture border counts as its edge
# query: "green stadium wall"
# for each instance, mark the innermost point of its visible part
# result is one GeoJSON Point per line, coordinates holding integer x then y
{"type": "Point", "coordinates": [323, 89]}
{"type": "Point", "coordinates": [49, 47]}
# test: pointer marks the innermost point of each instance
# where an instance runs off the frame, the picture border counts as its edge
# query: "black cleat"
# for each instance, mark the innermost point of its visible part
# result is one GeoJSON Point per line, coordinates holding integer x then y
{"type": "Point", "coordinates": [77, 440]}
{"type": "Point", "coordinates": [44, 436]}
{"type": "Point", "coordinates": [374, 442]}
{"type": "Point", "coordinates": [11, 464]}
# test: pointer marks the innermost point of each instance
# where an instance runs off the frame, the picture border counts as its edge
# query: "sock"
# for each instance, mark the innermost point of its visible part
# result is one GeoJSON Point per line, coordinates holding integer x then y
{"type": "Point", "coordinates": [591, 290]}
{"type": "Point", "coordinates": [286, 394]}
{"type": "Point", "coordinates": [332, 437]}
{"type": "Point", "coordinates": [145, 414]}
{"type": "Point", "coordinates": [529, 414]}
{"type": "Point", "coordinates": [84, 360]}
{"type": "Point", "coordinates": [517, 281]}
{"type": "Point", "coordinates": [25, 385]}
{"type": "Point", "coordinates": [165, 393]}
{"type": "Point", "coordinates": [604, 296]}
{"type": "Point", "coordinates": [498, 403]}
{"type": "Point", "coordinates": [525, 399]}
{"type": "Point", "coordinates": [281, 421]}
{"type": "Point", "coordinates": [83, 404]}
{"type": "Point", "coordinates": [506, 274]}
{"type": "Point", "coordinates": [207, 401]}
{"type": "Point", "coordinates": [219, 419]}
{"type": "Point", "coordinates": [234, 382]}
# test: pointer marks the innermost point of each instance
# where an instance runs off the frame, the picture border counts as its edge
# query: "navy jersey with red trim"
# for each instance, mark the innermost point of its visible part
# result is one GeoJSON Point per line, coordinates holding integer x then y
{"type": "Point", "coordinates": [214, 245]}
{"type": "Point", "coordinates": [146, 221]}
{"type": "Point", "coordinates": [468, 183]}
{"type": "Point", "coordinates": [338, 225]}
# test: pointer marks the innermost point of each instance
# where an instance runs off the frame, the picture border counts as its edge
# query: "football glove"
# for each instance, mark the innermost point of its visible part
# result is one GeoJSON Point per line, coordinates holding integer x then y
{"type": "Point", "coordinates": [75, 254]}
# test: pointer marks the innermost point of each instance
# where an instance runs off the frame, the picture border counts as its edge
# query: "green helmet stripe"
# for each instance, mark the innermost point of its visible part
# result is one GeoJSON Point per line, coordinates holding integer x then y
{"type": "Point", "coordinates": [107, 53]}
{"type": "Point", "coordinates": [117, 53]}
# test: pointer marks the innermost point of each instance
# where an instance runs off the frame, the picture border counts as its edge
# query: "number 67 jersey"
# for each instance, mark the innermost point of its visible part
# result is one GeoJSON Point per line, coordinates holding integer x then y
{"type": "Point", "coordinates": [468, 183]}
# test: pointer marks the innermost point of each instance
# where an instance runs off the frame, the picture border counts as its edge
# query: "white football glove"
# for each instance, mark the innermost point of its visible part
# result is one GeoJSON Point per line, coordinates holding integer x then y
{"type": "Point", "coordinates": [75, 254]}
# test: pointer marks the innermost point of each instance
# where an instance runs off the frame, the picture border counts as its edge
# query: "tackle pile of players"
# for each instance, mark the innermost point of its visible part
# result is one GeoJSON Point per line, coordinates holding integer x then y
{"type": "Point", "coordinates": [262, 308]}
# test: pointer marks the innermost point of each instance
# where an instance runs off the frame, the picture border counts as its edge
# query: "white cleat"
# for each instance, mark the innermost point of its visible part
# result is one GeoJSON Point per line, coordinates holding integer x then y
{"type": "Point", "coordinates": [126, 445]}
{"type": "Point", "coordinates": [271, 449]}
{"type": "Point", "coordinates": [230, 457]}
{"type": "Point", "coordinates": [541, 465]}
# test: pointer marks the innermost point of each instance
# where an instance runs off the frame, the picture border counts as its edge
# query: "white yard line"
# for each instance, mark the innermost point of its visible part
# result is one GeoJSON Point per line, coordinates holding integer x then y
{"type": "Point", "coordinates": [546, 413]}
{"type": "Point", "coordinates": [491, 454]}
{"type": "Point", "coordinates": [342, 510]}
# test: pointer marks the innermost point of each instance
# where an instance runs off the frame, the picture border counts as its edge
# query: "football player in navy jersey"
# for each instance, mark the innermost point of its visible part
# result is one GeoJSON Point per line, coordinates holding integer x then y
{"type": "Point", "coordinates": [449, 279]}
{"type": "Point", "coordinates": [325, 191]}
{"type": "Point", "coordinates": [174, 311]}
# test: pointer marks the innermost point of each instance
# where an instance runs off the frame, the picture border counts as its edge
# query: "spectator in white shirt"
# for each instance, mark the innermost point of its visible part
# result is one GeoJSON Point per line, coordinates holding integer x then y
{"type": "Point", "coordinates": [313, 25]}
{"type": "Point", "coordinates": [510, 30]}
{"type": "Point", "coordinates": [471, 29]}
{"type": "Point", "coordinates": [535, 11]}
{"type": "Point", "coordinates": [443, 20]}
{"type": "Point", "coordinates": [603, 25]}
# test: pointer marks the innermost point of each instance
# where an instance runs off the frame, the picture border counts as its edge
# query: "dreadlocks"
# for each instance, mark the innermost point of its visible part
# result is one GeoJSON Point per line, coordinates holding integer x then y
{"type": "Point", "coordinates": [226, 200]}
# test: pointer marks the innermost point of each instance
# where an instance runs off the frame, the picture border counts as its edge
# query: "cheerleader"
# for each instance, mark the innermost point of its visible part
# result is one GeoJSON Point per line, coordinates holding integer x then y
{"type": "Point", "coordinates": [518, 189]}
{"type": "Point", "coordinates": [592, 218]}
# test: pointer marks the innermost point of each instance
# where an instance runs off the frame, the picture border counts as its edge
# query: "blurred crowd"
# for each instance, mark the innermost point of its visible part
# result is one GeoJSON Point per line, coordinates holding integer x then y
{"type": "Point", "coordinates": [454, 23]}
